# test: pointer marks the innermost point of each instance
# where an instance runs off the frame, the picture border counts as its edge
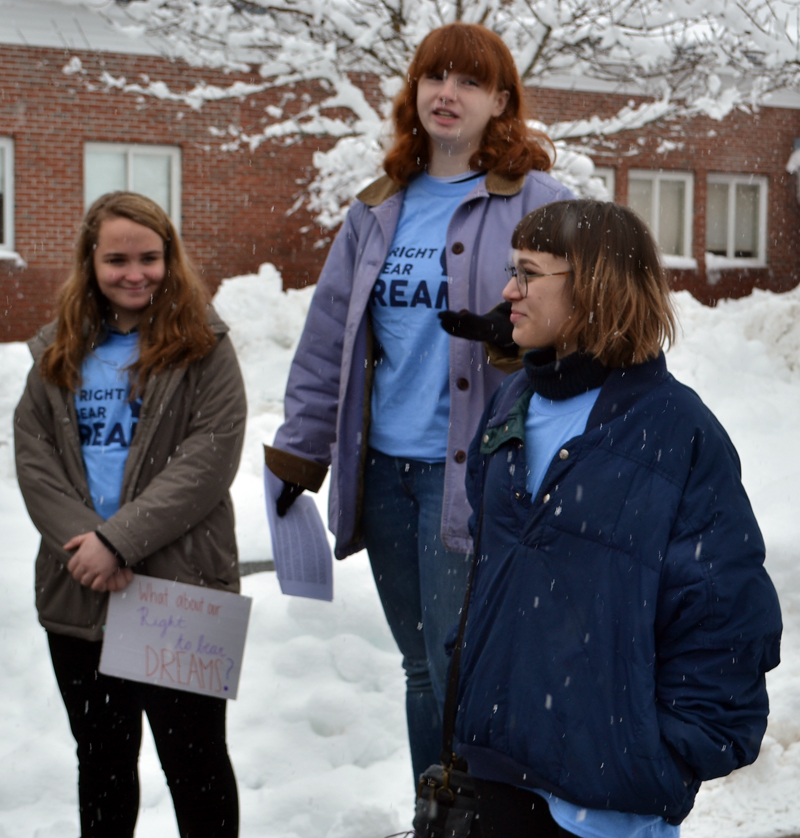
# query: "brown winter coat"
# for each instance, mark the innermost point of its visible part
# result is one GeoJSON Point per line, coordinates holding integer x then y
{"type": "Point", "coordinates": [176, 517]}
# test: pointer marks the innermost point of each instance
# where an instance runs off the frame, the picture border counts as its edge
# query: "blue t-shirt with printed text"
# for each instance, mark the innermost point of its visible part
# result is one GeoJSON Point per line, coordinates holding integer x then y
{"type": "Point", "coordinates": [107, 418]}
{"type": "Point", "coordinates": [410, 409]}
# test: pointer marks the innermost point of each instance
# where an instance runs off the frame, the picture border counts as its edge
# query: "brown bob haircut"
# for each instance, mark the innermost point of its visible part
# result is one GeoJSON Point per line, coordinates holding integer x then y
{"type": "Point", "coordinates": [173, 330]}
{"type": "Point", "coordinates": [622, 312]}
{"type": "Point", "coordinates": [509, 147]}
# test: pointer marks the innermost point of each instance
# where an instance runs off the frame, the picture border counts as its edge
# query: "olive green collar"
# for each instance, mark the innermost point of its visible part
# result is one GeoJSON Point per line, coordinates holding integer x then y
{"type": "Point", "coordinates": [512, 428]}
{"type": "Point", "coordinates": [384, 187]}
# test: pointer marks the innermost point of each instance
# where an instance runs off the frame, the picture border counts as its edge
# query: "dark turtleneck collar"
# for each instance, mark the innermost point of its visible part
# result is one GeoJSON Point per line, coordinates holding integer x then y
{"type": "Point", "coordinates": [563, 378]}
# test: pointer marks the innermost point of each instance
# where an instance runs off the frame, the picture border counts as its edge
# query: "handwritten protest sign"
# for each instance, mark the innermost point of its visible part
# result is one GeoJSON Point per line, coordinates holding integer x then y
{"type": "Point", "coordinates": [176, 635]}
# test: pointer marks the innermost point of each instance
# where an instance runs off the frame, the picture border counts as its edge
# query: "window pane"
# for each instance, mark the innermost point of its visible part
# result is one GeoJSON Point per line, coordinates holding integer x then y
{"type": "Point", "coordinates": [671, 217]}
{"type": "Point", "coordinates": [746, 230]}
{"type": "Point", "coordinates": [717, 219]}
{"type": "Point", "coordinates": [151, 177]}
{"type": "Point", "coordinates": [105, 172]}
{"type": "Point", "coordinates": [640, 199]}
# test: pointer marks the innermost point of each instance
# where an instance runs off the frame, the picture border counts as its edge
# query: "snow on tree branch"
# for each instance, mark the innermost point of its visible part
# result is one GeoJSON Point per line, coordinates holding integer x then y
{"type": "Point", "coordinates": [690, 56]}
{"type": "Point", "coordinates": [648, 43]}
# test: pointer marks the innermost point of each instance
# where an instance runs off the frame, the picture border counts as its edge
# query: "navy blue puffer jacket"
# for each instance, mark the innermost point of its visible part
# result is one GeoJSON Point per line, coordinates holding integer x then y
{"type": "Point", "coordinates": [621, 620]}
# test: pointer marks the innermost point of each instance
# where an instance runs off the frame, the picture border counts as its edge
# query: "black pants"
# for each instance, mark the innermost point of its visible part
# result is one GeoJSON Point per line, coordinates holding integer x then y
{"type": "Point", "coordinates": [105, 715]}
{"type": "Point", "coordinates": [508, 812]}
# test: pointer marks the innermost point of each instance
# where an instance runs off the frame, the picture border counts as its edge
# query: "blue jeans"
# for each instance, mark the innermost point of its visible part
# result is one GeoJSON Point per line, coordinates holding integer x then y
{"type": "Point", "coordinates": [420, 583]}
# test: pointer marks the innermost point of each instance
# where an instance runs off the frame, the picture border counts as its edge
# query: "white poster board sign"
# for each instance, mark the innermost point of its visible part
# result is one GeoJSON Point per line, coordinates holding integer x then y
{"type": "Point", "coordinates": [174, 635]}
{"type": "Point", "coordinates": [303, 561]}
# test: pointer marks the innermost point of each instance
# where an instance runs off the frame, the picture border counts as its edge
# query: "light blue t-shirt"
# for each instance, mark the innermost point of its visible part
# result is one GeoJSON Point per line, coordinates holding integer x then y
{"type": "Point", "coordinates": [601, 823]}
{"type": "Point", "coordinates": [548, 426]}
{"type": "Point", "coordinates": [410, 392]}
{"type": "Point", "coordinates": [106, 418]}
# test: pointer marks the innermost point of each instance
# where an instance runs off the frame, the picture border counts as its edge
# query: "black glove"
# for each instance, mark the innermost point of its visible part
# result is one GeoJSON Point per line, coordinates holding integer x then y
{"type": "Point", "coordinates": [291, 492]}
{"type": "Point", "coordinates": [495, 327]}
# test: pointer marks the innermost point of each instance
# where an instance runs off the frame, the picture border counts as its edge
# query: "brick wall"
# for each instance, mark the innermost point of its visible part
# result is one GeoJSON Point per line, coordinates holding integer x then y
{"type": "Point", "coordinates": [236, 205]}
{"type": "Point", "coordinates": [756, 143]}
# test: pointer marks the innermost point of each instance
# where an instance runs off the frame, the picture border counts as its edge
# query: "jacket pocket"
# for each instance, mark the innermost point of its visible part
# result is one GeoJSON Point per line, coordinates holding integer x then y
{"type": "Point", "coordinates": [206, 555]}
{"type": "Point", "coordinates": [64, 605]}
{"type": "Point", "coordinates": [535, 727]}
{"type": "Point", "coordinates": [641, 704]}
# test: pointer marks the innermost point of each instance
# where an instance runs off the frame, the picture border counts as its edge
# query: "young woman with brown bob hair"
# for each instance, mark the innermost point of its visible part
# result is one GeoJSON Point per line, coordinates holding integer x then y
{"type": "Point", "coordinates": [621, 620]}
{"type": "Point", "coordinates": [127, 438]}
{"type": "Point", "coordinates": [378, 390]}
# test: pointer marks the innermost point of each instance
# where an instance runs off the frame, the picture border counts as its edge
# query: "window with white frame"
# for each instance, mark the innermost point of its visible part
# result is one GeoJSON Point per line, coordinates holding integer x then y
{"type": "Point", "coordinates": [664, 200]}
{"type": "Point", "coordinates": [152, 170]}
{"type": "Point", "coordinates": [6, 195]}
{"type": "Point", "coordinates": [736, 218]}
{"type": "Point", "coordinates": [606, 175]}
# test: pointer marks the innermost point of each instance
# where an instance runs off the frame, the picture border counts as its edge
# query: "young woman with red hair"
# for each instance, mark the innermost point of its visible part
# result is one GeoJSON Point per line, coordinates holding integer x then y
{"type": "Point", "coordinates": [378, 391]}
{"type": "Point", "coordinates": [127, 438]}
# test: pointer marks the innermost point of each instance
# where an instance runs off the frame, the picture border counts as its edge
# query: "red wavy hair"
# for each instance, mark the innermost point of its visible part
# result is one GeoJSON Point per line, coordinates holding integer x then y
{"type": "Point", "coordinates": [509, 147]}
{"type": "Point", "coordinates": [173, 329]}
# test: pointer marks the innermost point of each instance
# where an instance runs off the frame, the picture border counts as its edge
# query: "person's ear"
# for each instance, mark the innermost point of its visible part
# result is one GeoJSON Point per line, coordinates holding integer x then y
{"type": "Point", "coordinates": [501, 100]}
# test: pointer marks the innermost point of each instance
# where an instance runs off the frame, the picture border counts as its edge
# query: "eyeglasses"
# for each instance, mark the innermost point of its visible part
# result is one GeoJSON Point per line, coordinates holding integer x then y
{"type": "Point", "coordinates": [523, 277]}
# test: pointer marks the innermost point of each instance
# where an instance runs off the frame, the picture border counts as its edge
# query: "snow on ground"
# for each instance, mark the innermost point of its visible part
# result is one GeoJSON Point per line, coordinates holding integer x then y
{"type": "Point", "coordinates": [317, 736]}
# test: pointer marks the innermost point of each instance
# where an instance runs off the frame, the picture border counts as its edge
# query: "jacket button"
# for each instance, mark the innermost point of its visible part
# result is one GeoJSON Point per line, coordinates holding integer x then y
{"type": "Point", "coordinates": [563, 454]}
{"type": "Point", "coordinates": [458, 247]}
{"type": "Point", "coordinates": [486, 437]}
{"type": "Point", "coordinates": [462, 384]}
{"type": "Point", "coordinates": [461, 456]}
{"type": "Point", "coordinates": [546, 498]}
{"type": "Point", "coordinates": [518, 495]}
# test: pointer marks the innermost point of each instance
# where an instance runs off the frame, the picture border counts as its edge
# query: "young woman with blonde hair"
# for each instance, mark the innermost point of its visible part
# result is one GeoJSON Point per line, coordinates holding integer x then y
{"type": "Point", "coordinates": [621, 620]}
{"type": "Point", "coordinates": [378, 391]}
{"type": "Point", "coordinates": [127, 437]}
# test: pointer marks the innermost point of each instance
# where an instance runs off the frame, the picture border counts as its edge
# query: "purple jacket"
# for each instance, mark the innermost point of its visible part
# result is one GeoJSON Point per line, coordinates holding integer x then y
{"type": "Point", "coordinates": [328, 392]}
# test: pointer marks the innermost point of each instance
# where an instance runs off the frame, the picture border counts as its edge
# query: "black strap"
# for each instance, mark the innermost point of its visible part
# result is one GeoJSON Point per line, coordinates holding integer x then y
{"type": "Point", "coordinates": [450, 707]}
